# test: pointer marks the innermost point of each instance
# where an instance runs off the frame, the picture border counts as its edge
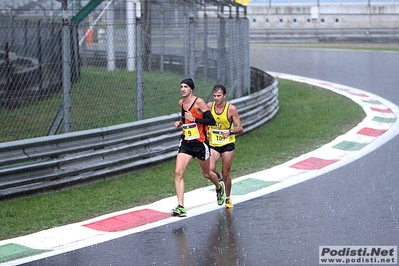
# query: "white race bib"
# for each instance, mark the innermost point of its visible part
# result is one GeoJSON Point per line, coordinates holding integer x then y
{"type": "Point", "coordinates": [190, 131]}
{"type": "Point", "coordinates": [218, 138]}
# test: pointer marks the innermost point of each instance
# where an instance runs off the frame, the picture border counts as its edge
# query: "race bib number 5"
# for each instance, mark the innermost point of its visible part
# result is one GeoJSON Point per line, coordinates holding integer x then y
{"type": "Point", "coordinates": [218, 138]}
{"type": "Point", "coordinates": [190, 131]}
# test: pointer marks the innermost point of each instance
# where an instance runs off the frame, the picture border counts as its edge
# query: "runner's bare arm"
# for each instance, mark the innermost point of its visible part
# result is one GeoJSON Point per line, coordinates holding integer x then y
{"type": "Point", "coordinates": [238, 128]}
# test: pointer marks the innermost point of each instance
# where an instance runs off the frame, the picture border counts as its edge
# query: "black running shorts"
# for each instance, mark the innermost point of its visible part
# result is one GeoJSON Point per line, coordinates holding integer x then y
{"type": "Point", "coordinates": [224, 148]}
{"type": "Point", "coordinates": [195, 148]}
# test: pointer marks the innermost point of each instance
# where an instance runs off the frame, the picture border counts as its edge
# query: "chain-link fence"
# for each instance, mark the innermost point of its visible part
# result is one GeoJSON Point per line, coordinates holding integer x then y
{"type": "Point", "coordinates": [114, 62]}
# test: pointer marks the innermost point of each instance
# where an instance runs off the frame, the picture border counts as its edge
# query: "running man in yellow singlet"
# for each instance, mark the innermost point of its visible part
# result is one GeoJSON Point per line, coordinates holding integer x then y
{"type": "Point", "coordinates": [222, 136]}
{"type": "Point", "coordinates": [195, 119]}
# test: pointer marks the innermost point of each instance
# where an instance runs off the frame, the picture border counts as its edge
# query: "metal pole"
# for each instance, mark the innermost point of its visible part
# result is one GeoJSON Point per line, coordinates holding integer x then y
{"type": "Point", "coordinates": [131, 35]}
{"type": "Point", "coordinates": [66, 68]}
{"type": "Point", "coordinates": [162, 48]}
{"type": "Point", "coordinates": [186, 42]}
{"type": "Point", "coordinates": [206, 35]}
{"type": "Point", "coordinates": [222, 50]}
{"type": "Point", "coordinates": [140, 72]}
{"type": "Point", "coordinates": [110, 38]}
{"type": "Point", "coordinates": [245, 50]}
{"type": "Point", "coordinates": [191, 46]}
{"type": "Point", "coordinates": [9, 72]}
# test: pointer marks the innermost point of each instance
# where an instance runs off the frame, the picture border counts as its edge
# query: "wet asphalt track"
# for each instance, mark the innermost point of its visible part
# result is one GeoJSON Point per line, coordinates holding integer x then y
{"type": "Point", "coordinates": [354, 205]}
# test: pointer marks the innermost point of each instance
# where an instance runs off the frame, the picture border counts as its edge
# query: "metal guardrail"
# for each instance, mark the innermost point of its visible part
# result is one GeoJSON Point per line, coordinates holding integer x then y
{"type": "Point", "coordinates": [52, 163]}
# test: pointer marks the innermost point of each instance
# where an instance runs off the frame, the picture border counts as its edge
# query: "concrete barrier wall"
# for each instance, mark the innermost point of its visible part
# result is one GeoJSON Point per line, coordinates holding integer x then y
{"type": "Point", "coordinates": [262, 16]}
{"type": "Point", "coordinates": [325, 35]}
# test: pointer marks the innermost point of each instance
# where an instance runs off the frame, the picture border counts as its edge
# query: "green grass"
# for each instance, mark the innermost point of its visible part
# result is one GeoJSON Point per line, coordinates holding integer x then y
{"type": "Point", "coordinates": [99, 99]}
{"type": "Point", "coordinates": [117, 92]}
{"type": "Point", "coordinates": [308, 118]}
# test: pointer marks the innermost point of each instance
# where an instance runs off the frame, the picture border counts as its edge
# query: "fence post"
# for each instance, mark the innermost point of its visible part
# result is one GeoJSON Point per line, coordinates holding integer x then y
{"type": "Point", "coordinates": [110, 38]}
{"type": "Point", "coordinates": [191, 45]}
{"type": "Point", "coordinates": [140, 71]}
{"type": "Point", "coordinates": [131, 35]}
{"type": "Point", "coordinates": [75, 53]}
{"type": "Point", "coordinates": [222, 50]}
{"type": "Point", "coordinates": [9, 72]}
{"type": "Point", "coordinates": [246, 77]}
{"type": "Point", "coordinates": [40, 54]}
{"type": "Point", "coordinates": [231, 53]}
{"type": "Point", "coordinates": [162, 48]}
{"type": "Point", "coordinates": [205, 57]}
{"type": "Point", "coordinates": [66, 69]}
{"type": "Point", "coordinates": [237, 68]}
{"type": "Point", "coordinates": [186, 32]}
